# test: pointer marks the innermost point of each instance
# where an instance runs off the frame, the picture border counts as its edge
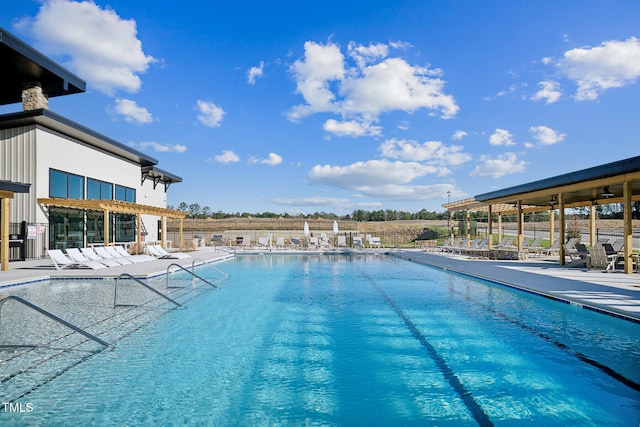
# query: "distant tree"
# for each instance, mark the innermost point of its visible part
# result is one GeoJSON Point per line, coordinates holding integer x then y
{"type": "Point", "coordinates": [183, 207]}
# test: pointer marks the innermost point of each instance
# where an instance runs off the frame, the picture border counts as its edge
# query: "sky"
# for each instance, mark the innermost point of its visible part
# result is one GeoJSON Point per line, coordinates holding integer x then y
{"type": "Point", "coordinates": [334, 106]}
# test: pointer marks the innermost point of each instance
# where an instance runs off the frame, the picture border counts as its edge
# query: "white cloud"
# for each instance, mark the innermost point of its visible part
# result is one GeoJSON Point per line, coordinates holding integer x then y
{"type": "Point", "coordinates": [501, 137]}
{"type": "Point", "coordinates": [370, 173]}
{"type": "Point", "coordinates": [101, 47]}
{"type": "Point", "coordinates": [550, 92]}
{"type": "Point", "coordinates": [459, 134]}
{"type": "Point", "coordinates": [369, 86]}
{"type": "Point", "coordinates": [406, 192]}
{"type": "Point", "coordinates": [210, 114]}
{"type": "Point", "coordinates": [546, 135]}
{"type": "Point", "coordinates": [351, 128]}
{"type": "Point", "coordinates": [613, 64]}
{"type": "Point", "coordinates": [272, 160]}
{"type": "Point", "coordinates": [132, 112]}
{"type": "Point", "coordinates": [333, 202]}
{"type": "Point", "coordinates": [227, 156]}
{"type": "Point", "coordinates": [162, 148]}
{"type": "Point", "coordinates": [254, 73]}
{"type": "Point", "coordinates": [429, 151]}
{"type": "Point", "coordinates": [496, 167]}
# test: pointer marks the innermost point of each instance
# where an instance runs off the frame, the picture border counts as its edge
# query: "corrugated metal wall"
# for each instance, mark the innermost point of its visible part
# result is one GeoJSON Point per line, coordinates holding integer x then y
{"type": "Point", "coordinates": [17, 163]}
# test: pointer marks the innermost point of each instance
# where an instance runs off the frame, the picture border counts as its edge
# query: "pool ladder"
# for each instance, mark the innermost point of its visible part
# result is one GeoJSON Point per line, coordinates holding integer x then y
{"type": "Point", "coordinates": [135, 279]}
{"type": "Point", "coordinates": [192, 273]}
{"type": "Point", "coordinates": [50, 316]}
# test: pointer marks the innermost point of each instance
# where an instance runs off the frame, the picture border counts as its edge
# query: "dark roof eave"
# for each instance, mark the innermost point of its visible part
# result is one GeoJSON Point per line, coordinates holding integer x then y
{"type": "Point", "coordinates": [58, 123]}
{"type": "Point", "coordinates": [610, 169]}
{"type": "Point", "coordinates": [14, 187]}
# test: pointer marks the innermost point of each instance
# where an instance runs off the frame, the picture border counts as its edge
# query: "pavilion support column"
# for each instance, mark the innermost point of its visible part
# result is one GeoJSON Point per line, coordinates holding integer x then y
{"type": "Point", "coordinates": [552, 225]}
{"type": "Point", "coordinates": [592, 224]}
{"type": "Point", "coordinates": [520, 226]}
{"type": "Point", "coordinates": [139, 231]}
{"type": "Point", "coordinates": [490, 227]}
{"type": "Point", "coordinates": [561, 218]}
{"type": "Point", "coordinates": [499, 226]}
{"type": "Point", "coordinates": [451, 226]}
{"type": "Point", "coordinates": [4, 233]}
{"type": "Point", "coordinates": [181, 222]}
{"type": "Point", "coordinates": [628, 227]}
{"type": "Point", "coordinates": [163, 220]}
{"type": "Point", "coordinates": [468, 219]}
{"type": "Point", "coordinates": [106, 227]}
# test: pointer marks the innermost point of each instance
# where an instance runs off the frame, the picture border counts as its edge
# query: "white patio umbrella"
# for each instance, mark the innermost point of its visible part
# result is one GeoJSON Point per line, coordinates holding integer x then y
{"type": "Point", "coordinates": [335, 232]}
{"type": "Point", "coordinates": [306, 233]}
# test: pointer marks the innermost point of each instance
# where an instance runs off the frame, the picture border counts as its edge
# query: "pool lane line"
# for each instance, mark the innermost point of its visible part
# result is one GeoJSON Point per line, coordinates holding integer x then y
{"type": "Point", "coordinates": [583, 357]}
{"type": "Point", "coordinates": [474, 407]}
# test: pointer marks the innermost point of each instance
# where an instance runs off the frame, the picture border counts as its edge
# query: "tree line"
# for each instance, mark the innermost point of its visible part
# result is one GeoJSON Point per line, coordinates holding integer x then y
{"type": "Point", "coordinates": [610, 211]}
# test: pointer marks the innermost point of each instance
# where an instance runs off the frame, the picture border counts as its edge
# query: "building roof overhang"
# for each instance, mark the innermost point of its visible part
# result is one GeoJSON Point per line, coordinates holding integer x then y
{"type": "Point", "coordinates": [597, 185]}
{"type": "Point", "coordinates": [50, 120]}
{"type": "Point", "coordinates": [14, 187]}
{"type": "Point", "coordinates": [158, 176]}
{"type": "Point", "coordinates": [116, 206]}
{"type": "Point", "coordinates": [23, 64]}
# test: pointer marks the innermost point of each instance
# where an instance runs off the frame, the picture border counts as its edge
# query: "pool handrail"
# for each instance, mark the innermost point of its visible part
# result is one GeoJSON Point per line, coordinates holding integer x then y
{"type": "Point", "coordinates": [193, 275]}
{"type": "Point", "coordinates": [193, 265]}
{"type": "Point", "coordinates": [135, 279]}
{"type": "Point", "coordinates": [54, 317]}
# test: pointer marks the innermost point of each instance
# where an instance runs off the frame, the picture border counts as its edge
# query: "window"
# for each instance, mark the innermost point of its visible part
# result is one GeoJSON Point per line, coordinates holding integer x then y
{"type": "Point", "coordinates": [65, 185]}
{"type": "Point", "coordinates": [106, 191]}
{"type": "Point", "coordinates": [125, 194]}
{"type": "Point", "coordinates": [93, 189]}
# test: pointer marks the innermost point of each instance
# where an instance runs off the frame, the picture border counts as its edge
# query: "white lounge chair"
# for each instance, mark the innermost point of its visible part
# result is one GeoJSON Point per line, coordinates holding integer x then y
{"type": "Point", "coordinates": [313, 243]}
{"type": "Point", "coordinates": [89, 253]}
{"type": "Point", "coordinates": [263, 242]}
{"type": "Point", "coordinates": [77, 256]}
{"type": "Point", "coordinates": [61, 261]}
{"type": "Point", "coordinates": [324, 241]}
{"type": "Point", "coordinates": [342, 242]}
{"type": "Point", "coordinates": [101, 251]}
{"type": "Point", "coordinates": [134, 258]}
{"type": "Point", "coordinates": [375, 242]}
{"type": "Point", "coordinates": [357, 242]}
{"type": "Point", "coordinates": [280, 242]}
{"type": "Point", "coordinates": [246, 242]}
{"type": "Point", "coordinates": [170, 255]}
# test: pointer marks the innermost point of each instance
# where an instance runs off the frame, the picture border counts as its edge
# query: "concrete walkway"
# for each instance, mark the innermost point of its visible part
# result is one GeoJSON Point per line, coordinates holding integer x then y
{"type": "Point", "coordinates": [615, 292]}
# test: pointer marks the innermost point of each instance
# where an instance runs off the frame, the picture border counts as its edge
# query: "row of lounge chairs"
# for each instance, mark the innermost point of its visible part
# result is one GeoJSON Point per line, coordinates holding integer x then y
{"type": "Point", "coordinates": [315, 242]}
{"type": "Point", "coordinates": [106, 256]}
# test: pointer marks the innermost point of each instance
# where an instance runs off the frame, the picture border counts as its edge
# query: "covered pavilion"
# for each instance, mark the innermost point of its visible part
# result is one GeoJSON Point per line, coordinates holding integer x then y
{"type": "Point", "coordinates": [617, 182]}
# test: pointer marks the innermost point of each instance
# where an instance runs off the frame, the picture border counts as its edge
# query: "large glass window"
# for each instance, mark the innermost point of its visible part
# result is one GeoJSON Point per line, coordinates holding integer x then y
{"type": "Point", "coordinates": [106, 191]}
{"type": "Point", "coordinates": [65, 185]}
{"type": "Point", "coordinates": [125, 194]}
{"type": "Point", "coordinates": [93, 189]}
{"type": "Point", "coordinates": [95, 227]}
{"type": "Point", "coordinates": [125, 228]}
{"type": "Point", "coordinates": [66, 228]}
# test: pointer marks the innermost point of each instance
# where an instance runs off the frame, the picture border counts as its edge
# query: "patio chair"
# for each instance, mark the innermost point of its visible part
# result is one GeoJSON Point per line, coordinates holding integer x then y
{"type": "Point", "coordinates": [324, 241]}
{"type": "Point", "coordinates": [280, 242]}
{"type": "Point", "coordinates": [61, 261]}
{"type": "Point", "coordinates": [263, 242]}
{"type": "Point", "coordinates": [295, 242]}
{"type": "Point", "coordinates": [357, 242]}
{"type": "Point", "coordinates": [246, 242]}
{"type": "Point", "coordinates": [375, 242]}
{"type": "Point", "coordinates": [342, 242]}
{"type": "Point", "coordinates": [599, 259]}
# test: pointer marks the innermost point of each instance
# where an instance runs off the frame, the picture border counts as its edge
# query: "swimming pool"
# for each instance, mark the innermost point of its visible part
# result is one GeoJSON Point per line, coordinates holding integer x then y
{"type": "Point", "coordinates": [350, 340]}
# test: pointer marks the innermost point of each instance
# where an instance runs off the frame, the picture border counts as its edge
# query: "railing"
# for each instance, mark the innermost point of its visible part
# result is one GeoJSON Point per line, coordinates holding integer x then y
{"type": "Point", "coordinates": [193, 275]}
{"type": "Point", "coordinates": [115, 293]}
{"type": "Point", "coordinates": [53, 317]}
{"type": "Point", "coordinates": [193, 264]}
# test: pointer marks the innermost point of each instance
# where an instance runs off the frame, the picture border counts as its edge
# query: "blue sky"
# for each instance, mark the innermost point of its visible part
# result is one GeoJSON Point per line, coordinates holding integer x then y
{"type": "Point", "coordinates": [333, 106]}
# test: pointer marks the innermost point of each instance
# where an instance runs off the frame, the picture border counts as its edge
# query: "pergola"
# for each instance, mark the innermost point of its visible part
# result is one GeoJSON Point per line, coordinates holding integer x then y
{"type": "Point", "coordinates": [117, 206]}
{"type": "Point", "coordinates": [7, 190]}
{"type": "Point", "coordinates": [617, 182]}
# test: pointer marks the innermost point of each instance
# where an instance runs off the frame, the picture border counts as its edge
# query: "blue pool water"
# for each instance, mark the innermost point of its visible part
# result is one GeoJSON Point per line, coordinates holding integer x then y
{"type": "Point", "coordinates": [351, 340]}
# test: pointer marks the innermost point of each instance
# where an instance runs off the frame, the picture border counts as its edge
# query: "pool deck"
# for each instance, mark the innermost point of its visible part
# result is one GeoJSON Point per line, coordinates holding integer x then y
{"type": "Point", "coordinates": [615, 292]}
